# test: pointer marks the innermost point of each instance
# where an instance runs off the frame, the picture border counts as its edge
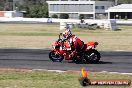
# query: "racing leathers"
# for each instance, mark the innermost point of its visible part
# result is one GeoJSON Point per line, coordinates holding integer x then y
{"type": "Point", "coordinates": [76, 45]}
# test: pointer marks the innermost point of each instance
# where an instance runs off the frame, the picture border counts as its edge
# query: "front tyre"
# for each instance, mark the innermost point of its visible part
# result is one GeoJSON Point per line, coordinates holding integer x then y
{"type": "Point", "coordinates": [55, 57]}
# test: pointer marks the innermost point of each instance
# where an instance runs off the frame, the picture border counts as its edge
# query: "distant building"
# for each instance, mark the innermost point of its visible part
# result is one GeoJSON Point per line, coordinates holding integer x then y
{"type": "Point", "coordinates": [123, 11]}
{"type": "Point", "coordinates": [90, 9]}
{"type": "Point", "coordinates": [10, 14]}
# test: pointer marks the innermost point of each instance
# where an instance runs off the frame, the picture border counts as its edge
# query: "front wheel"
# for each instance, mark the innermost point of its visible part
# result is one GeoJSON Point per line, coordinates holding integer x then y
{"type": "Point", "coordinates": [55, 57]}
{"type": "Point", "coordinates": [93, 56]}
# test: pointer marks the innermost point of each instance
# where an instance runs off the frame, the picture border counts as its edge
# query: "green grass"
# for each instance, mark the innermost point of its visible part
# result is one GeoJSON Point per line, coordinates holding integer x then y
{"type": "Point", "coordinates": [42, 36]}
{"type": "Point", "coordinates": [78, 32]}
{"type": "Point", "coordinates": [43, 79]}
{"type": "Point", "coordinates": [27, 34]}
{"type": "Point", "coordinates": [122, 32]}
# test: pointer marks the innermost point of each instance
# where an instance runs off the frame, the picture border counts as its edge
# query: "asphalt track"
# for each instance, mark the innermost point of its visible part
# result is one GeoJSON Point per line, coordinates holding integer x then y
{"type": "Point", "coordinates": [38, 59]}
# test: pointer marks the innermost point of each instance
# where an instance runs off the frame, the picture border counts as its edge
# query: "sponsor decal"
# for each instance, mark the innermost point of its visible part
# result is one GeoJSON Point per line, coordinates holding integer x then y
{"type": "Point", "coordinates": [85, 81]}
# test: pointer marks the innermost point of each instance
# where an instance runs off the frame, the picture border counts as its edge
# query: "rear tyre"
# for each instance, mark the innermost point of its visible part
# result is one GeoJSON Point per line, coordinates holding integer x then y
{"type": "Point", "coordinates": [55, 57]}
{"type": "Point", "coordinates": [93, 56]}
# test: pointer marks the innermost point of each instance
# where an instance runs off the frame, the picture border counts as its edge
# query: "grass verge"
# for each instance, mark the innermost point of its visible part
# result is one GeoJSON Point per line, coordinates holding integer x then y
{"type": "Point", "coordinates": [42, 36]}
{"type": "Point", "coordinates": [21, 78]}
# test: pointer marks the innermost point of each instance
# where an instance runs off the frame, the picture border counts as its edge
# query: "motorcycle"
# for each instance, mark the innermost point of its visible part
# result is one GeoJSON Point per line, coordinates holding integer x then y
{"type": "Point", "coordinates": [60, 51]}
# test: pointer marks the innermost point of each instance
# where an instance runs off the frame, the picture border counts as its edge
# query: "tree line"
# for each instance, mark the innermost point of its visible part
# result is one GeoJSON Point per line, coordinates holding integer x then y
{"type": "Point", "coordinates": [33, 8]}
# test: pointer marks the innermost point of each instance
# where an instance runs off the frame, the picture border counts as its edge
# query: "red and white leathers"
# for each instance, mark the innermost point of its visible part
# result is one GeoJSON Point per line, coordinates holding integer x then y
{"type": "Point", "coordinates": [76, 43]}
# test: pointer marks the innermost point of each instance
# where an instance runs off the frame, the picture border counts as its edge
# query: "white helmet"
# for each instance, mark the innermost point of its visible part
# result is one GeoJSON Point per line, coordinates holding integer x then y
{"type": "Point", "coordinates": [67, 33]}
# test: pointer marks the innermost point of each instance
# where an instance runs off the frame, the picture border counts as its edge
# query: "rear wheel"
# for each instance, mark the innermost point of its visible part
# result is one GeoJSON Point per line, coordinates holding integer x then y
{"type": "Point", "coordinates": [93, 56]}
{"type": "Point", "coordinates": [55, 57]}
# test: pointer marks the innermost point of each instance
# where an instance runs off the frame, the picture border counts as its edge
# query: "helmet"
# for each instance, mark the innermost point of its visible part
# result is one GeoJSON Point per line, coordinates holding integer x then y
{"type": "Point", "coordinates": [67, 33]}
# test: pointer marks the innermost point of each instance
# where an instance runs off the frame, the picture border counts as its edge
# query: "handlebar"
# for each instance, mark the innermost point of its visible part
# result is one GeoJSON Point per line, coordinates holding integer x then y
{"type": "Point", "coordinates": [62, 39]}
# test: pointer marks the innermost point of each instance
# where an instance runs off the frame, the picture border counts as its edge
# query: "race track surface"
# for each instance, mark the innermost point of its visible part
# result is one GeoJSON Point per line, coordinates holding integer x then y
{"type": "Point", "coordinates": [38, 59]}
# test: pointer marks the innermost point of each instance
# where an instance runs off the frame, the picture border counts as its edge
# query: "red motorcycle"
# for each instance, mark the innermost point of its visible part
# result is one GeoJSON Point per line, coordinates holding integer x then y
{"type": "Point", "coordinates": [60, 51]}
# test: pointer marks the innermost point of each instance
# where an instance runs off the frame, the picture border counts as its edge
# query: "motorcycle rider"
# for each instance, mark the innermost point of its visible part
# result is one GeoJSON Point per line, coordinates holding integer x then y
{"type": "Point", "coordinates": [75, 43]}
